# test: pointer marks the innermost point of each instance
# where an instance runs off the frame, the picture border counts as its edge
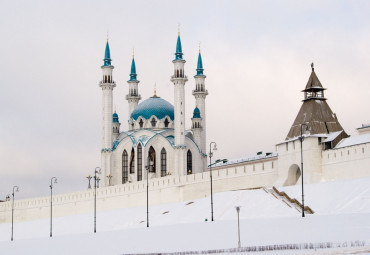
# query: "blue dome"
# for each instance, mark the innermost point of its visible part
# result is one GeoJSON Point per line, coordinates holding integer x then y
{"type": "Point", "coordinates": [153, 106]}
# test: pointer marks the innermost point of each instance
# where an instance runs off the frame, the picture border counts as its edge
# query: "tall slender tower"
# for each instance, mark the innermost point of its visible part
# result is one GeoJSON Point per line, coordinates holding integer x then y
{"type": "Point", "coordinates": [200, 94]}
{"type": "Point", "coordinates": [107, 84]}
{"type": "Point", "coordinates": [179, 79]}
{"type": "Point", "coordinates": [133, 96]}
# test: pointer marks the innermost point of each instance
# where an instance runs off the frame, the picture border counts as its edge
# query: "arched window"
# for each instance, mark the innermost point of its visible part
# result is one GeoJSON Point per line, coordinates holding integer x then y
{"type": "Point", "coordinates": [152, 159]}
{"type": "Point", "coordinates": [177, 73]}
{"type": "Point", "coordinates": [139, 162]}
{"type": "Point", "coordinates": [124, 167]}
{"type": "Point", "coordinates": [141, 123]}
{"type": "Point", "coordinates": [154, 122]}
{"type": "Point", "coordinates": [163, 162]}
{"type": "Point", "coordinates": [166, 122]}
{"type": "Point", "coordinates": [189, 162]}
{"type": "Point", "coordinates": [132, 162]}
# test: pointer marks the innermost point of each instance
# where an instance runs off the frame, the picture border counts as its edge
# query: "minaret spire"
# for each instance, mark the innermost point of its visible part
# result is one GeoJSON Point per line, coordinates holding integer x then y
{"type": "Point", "coordinates": [133, 96]}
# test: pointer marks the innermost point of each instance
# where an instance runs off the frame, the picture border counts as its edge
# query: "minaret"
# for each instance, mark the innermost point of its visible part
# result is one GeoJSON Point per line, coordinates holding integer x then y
{"type": "Point", "coordinates": [200, 94]}
{"type": "Point", "coordinates": [133, 96]}
{"type": "Point", "coordinates": [196, 126]}
{"type": "Point", "coordinates": [116, 125]}
{"type": "Point", "coordinates": [179, 79]}
{"type": "Point", "coordinates": [107, 84]}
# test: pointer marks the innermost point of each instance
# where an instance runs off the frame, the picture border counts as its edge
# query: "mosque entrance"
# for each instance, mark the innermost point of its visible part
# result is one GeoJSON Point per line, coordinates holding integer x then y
{"type": "Point", "coordinates": [293, 175]}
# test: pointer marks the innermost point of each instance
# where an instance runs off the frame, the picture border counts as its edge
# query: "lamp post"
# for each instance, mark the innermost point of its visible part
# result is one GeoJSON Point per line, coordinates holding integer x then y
{"type": "Point", "coordinates": [301, 139]}
{"type": "Point", "coordinates": [210, 171]}
{"type": "Point", "coordinates": [109, 176]}
{"type": "Point", "coordinates": [238, 211]}
{"type": "Point", "coordinates": [51, 204]}
{"type": "Point", "coordinates": [147, 167]}
{"type": "Point", "coordinates": [97, 171]}
{"type": "Point", "coordinates": [98, 181]}
{"type": "Point", "coordinates": [15, 189]}
{"type": "Point", "coordinates": [89, 178]}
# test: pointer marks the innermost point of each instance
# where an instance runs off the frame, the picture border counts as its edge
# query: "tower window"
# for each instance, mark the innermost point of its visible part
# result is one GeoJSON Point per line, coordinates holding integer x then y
{"type": "Point", "coordinates": [141, 123]}
{"type": "Point", "coordinates": [124, 167]}
{"type": "Point", "coordinates": [132, 161]}
{"type": "Point", "coordinates": [139, 163]}
{"type": "Point", "coordinates": [166, 122]}
{"type": "Point", "coordinates": [152, 159]}
{"type": "Point", "coordinates": [189, 162]}
{"type": "Point", "coordinates": [163, 162]}
{"type": "Point", "coordinates": [154, 122]}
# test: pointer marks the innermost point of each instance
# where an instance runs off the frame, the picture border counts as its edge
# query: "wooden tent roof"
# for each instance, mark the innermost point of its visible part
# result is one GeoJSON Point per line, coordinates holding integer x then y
{"type": "Point", "coordinates": [315, 112]}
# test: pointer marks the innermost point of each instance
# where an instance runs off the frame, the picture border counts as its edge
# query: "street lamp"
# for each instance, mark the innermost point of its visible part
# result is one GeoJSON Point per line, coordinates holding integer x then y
{"type": "Point", "coordinates": [15, 189]}
{"type": "Point", "coordinates": [51, 204]}
{"type": "Point", "coordinates": [210, 163]}
{"type": "Point", "coordinates": [147, 167]}
{"type": "Point", "coordinates": [97, 171]}
{"type": "Point", "coordinates": [301, 139]}
{"type": "Point", "coordinates": [238, 211]}
{"type": "Point", "coordinates": [89, 178]}
{"type": "Point", "coordinates": [7, 198]}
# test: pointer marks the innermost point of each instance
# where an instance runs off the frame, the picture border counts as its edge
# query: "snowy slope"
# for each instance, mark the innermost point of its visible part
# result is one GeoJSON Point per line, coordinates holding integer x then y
{"type": "Point", "coordinates": [264, 220]}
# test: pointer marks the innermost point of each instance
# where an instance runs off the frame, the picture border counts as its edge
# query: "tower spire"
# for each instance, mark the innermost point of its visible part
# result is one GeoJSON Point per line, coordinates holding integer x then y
{"type": "Point", "coordinates": [107, 59]}
{"type": "Point", "coordinates": [178, 53]}
{"type": "Point", "coordinates": [133, 74]}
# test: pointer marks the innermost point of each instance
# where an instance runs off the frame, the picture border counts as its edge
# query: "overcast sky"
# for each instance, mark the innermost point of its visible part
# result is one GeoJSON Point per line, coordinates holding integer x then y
{"type": "Point", "coordinates": [256, 55]}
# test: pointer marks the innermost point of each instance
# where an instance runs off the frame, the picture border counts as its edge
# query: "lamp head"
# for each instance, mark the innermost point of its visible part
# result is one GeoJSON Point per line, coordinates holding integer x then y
{"type": "Point", "coordinates": [97, 170]}
{"type": "Point", "coordinates": [16, 188]}
{"type": "Point", "coordinates": [55, 180]}
{"type": "Point", "coordinates": [214, 146]}
{"type": "Point", "coordinates": [237, 208]}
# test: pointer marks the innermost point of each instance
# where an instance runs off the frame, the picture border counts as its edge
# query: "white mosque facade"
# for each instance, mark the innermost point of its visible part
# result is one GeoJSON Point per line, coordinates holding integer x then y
{"type": "Point", "coordinates": [156, 137]}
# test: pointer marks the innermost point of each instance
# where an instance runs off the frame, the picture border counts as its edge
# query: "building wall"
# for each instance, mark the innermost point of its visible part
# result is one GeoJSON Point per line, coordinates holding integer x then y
{"type": "Point", "coordinates": [290, 156]}
{"type": "Point", "coordinates": [346, 163]}
{"type": "Point", "coordinates": [161, 190]}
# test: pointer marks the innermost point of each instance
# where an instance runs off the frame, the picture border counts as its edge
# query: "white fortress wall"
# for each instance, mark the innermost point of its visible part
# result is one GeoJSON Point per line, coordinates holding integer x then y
{"type": "Point", "coordinates": [347, 162]}
{"type": "Point", "coordinates": [252, 174]}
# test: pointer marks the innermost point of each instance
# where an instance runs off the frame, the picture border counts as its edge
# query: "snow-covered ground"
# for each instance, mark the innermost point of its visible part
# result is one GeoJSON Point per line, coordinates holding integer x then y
{"type": "Point", "coordinates": [342, 213]}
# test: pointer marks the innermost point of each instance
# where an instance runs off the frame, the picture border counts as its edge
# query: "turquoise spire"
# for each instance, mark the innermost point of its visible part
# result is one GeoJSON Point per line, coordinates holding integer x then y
{"type": "Point", "coordinates": [115, 117]}
{"type": "Point", "coordinates": [200, 65]}
{"type": "Point", "coordinates": [196, 113]}
{"type": "Point", "coordinates": [133, 70]}
{"type": "Point", "coordinates": [178, 53]}
{"type": "Point", "coordinates": [107, 59]}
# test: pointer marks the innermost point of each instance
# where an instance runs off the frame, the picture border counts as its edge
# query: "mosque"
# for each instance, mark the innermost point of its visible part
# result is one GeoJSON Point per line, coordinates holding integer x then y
{"type": "Point", "coordinates": [156, 135]}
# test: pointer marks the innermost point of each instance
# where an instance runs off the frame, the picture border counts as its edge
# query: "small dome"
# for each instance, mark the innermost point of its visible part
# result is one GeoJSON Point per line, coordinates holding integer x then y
{"type": "Point", "coordinates": [153, 106]}
{"type": "Point", "coordinates": [115, 118]}
{"type": "Point", "coordinates": [196, 113]}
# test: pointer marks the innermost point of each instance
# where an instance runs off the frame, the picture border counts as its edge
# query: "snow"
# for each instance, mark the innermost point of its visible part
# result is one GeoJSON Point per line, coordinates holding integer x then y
{"type": "Point", "coordinates": [342, 211]}
{"type": "Point", "coordinates": [353, 140]}
{"type": "Point", "coordinates": [332, 136]}
{"type": "Point", "coordinates": [249, 158]}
